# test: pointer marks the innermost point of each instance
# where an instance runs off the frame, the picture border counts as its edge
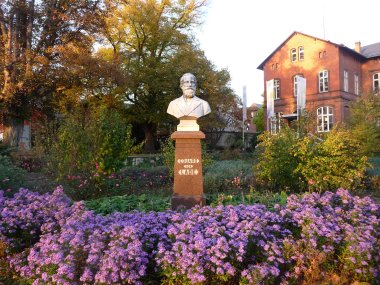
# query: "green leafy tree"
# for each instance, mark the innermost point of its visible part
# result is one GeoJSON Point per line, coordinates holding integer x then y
{"type": "Point", "coordinates": [365, 122]}
{"type": "Point", "coordinates": [258, 120]}
{"type": "Point", "coordinates": [154, 43]}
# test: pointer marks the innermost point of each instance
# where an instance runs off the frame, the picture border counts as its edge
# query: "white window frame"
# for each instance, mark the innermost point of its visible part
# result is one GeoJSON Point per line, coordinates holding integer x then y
{"type": "Point", "coordinates": [345, 80]}
{"type": "Point", "coordinates": [301, 53]}
{"type": "Point", "coordinates": [293, 55]}
{"type": "Point", "coordinates": [325, 119]}
{"type": "Point", "coordinates": [275, 123]}
{"type": "Point", "coordinates": [376, 83]}
{"type": "Point", "coordinates": [277, 93]}
{"type": "Point", "coordinates": [323, 80]}
{"type": "Point", "coordinates": [356, 84]}
{"type": "Point", "coordinates": [295, 84]}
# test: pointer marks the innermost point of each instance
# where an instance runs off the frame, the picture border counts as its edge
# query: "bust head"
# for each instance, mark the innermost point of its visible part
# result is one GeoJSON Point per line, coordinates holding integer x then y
{"type": "Point", "coordinates": [188, 84]}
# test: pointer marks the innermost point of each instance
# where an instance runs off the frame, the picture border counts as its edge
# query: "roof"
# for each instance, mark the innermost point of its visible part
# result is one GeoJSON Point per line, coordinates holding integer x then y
{"type": "Point", "coordinates": [353, 52]}
{"type": "Point", "coordinates": [371, 50]}
{"type": "Point", "coordinates": [255, 106]}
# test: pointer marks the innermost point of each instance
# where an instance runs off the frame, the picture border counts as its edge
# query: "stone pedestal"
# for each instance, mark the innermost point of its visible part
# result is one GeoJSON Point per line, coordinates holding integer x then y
{"type": "Point", "coordinates": [188, 180]}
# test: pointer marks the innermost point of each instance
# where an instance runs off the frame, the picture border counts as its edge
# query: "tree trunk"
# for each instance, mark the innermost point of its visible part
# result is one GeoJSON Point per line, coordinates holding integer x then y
{"type": "Point", "coordinates": [13, 131]}
{"type": "Point", "coordinates": [29, 35]}
{"type": "Point", "coordinates": [150, 135]}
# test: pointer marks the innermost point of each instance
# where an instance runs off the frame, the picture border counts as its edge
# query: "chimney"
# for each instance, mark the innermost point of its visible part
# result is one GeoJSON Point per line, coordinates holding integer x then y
{"type": "Point", "coordinates": [358, 47]}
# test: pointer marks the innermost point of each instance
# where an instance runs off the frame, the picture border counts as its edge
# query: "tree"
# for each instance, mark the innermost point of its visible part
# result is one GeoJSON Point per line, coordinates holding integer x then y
{"type": "Point", "coordinates": [365, 122]}
{"type": "Point", "coordinates": [258, 120]}
{"type": "Point", "coordinates": [153, 41]}
{"type": "Point", "coordinates": [34, 37]}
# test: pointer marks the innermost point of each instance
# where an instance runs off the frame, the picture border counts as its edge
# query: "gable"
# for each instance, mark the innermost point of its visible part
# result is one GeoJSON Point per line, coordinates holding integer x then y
{"type": "Point", "coordinates": [297, 39]}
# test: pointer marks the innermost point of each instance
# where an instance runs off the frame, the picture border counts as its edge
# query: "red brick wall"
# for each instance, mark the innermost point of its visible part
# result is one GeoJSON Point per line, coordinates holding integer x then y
{"type": "Point", "coordinates": [368, 69]}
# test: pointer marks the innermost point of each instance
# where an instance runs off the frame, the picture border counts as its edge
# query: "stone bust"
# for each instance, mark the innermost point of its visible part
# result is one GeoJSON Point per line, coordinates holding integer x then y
{"type": "Point", "coordinates": [188, 105]}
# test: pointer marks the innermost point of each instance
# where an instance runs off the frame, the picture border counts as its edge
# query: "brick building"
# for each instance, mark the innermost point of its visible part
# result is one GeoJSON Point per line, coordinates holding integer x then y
{"type": "Point", "coordinates": [251, 114]}
{"type": "Point", "coordinates": [335, 75]}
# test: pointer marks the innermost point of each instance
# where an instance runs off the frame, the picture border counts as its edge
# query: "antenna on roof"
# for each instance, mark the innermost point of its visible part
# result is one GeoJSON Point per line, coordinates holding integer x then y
{"type": "Point", "coordinates": [323, 21]}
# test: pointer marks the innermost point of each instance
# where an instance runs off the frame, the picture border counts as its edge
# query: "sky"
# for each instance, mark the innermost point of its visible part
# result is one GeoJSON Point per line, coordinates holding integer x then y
{"type": "Point", "coordinates": [240, 34]}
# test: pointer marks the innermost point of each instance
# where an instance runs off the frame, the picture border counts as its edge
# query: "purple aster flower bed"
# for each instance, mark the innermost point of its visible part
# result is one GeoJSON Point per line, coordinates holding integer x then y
{"type": "Point", "coordinates": [331, 237]}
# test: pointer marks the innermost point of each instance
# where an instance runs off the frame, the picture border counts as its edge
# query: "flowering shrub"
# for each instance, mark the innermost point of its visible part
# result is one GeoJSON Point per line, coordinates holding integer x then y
{"type": "Point", "coordinates": [330, 237]}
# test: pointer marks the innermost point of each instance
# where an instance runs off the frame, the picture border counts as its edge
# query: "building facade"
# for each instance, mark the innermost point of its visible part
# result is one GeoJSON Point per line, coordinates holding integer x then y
{"type": "Point", "coordinates": [335, 75]}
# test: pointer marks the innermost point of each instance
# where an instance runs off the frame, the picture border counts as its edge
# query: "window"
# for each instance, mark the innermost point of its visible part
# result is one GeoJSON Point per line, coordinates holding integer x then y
{"type": "Point", "coordinates": [376, 83]}
{"type": "Point", "coordinates": [300, 53]}
{"type": "Point", "coordinates": [293, 54]}
{"type": "Point", "coordinates": [295, 84]}
{"type": "Point", "coordinates": [345, 81]}
{"type": "Point", "coordinates": [277, 89]}
{"type": "Point", "coordinates": [275, 123]}
{"type": "Point", "coordinates": [324, 119]}
{"type": "Point", "coordinates": [356, 83]}
{"type": "Point", "coordinates": [323, 81]}
{"type": "Point", "coordinates": [322, 54]}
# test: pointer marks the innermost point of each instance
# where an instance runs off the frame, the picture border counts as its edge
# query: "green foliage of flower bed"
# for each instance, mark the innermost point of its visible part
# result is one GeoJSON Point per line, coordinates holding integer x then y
{"type": "Point", "coordinates": [161, 202]}
{"type": "Point", "coordinates": [268, 199]}
{"type": "Point", "coordinates": [126, 203]}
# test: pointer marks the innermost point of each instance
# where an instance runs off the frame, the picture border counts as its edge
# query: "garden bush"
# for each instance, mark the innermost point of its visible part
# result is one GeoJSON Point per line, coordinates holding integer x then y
{"type": "Point", "coordinates": [275, 167]}
{"type": "Point", "coordinates": [227, 176]}
{"type": "Point", "coordinates": [330, 237]}
{"type": "Point", "coordinates": [91, 145]}
{"type": "Point", "coordinates": [309, 163]}
{"type": "Point", "coordinates": [12, 178]}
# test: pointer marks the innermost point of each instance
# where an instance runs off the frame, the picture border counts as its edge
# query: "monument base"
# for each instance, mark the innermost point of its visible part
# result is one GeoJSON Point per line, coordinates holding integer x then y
{"type": "Point", "coordinates": [180, 202]}
{"type": "Point", "coordinates": [188, 180]}
{"type": "Point", "coordinates": [188, 124]}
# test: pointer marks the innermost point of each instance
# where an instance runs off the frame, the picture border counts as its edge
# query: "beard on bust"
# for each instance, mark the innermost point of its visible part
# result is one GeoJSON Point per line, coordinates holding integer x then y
{"type": "Point", "coordinates": [189, 93]}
